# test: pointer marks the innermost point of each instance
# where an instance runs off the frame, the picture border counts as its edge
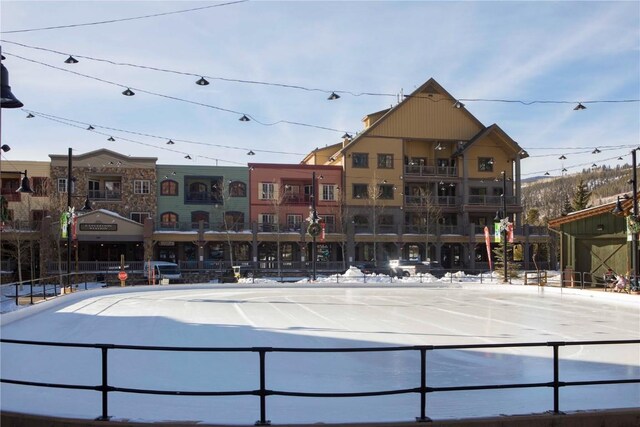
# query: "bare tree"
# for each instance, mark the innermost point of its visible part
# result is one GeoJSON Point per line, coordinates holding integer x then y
{"type": "Point", "coordinates": [428, 211]}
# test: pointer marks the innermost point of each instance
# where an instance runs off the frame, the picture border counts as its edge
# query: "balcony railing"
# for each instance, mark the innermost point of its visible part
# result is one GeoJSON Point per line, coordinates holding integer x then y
{"type": "Point", "coordinates": [430, 170]}
{"type": "Point", "coordinates": [102, 195]}
{"type": "Point", "coordinates": [204, 197]}
{"type": "Point", "coordinates": [422, 201]}
{"type": "Point", "coordinates": [491, 200]}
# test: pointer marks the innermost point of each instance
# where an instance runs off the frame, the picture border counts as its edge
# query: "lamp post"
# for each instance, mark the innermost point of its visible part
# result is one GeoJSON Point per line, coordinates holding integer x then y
{"type": "Point", "coordinates": [506, 218]}
{"type": "Point", "coordinates": [634, 236]}
{"type": "Point", "coordinates": [314, 219]}
{"type": "Point", "coordinates": [70, 213]}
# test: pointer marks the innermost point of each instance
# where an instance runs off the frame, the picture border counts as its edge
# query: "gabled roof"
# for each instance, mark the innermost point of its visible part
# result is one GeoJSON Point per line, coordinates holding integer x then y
{"type": "Point", "coordinates": [308, 156]}
{"type": "Point", "coordinates": [627, 205]}
{"type": "Point", "coordinates": [430, 86]}
{"type": "Point", "coordinates": [102, 151]}
{"type": "Point", "coordinates": [496, 130]}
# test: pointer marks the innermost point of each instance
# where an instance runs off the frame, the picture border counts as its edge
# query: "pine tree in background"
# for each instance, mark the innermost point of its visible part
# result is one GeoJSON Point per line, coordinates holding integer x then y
{"type": "Point", "coordinates": [513, 269]}
{"type": "Point", "coordinates": [581, 197]}
{"type": "Point", "coordinates": [567, 208]}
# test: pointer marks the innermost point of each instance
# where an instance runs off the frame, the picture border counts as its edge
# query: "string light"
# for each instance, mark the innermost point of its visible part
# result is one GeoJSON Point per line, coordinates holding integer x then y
{"type": "Point", "coordinates": [333, 94]}
{"type": "Point", "coordinates": [72, 123]}
{"type": "Point", "coordinates": [182, 99]}
{"type": "Point", "coordinates": [71, 60]}
{"type": "Point", "coordinates": [128, 92]}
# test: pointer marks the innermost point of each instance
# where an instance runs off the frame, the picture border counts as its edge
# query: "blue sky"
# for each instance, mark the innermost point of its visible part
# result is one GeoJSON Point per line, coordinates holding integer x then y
{"type": "Point", "coordinates": [525, 51]}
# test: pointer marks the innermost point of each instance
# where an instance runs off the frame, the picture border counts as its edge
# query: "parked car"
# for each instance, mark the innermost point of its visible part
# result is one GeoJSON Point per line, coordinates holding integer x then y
{"type": "Point", "coordinates": [407, 268]}
{"type": "Point", "coordinates": [162, 270]}
{"type": "Point", "coordinates": [371, 268]}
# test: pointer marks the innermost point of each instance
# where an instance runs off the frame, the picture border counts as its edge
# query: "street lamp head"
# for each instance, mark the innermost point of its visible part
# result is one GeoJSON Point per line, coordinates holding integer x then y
{"type": "Point", "coordinates": [25, 185]}
{"type": "Point", "coordinates": [87, 205]}
{"type": "Point", "coordinates": [8, 99]}
{"type": "Point", "coordinates": [5, 148]}
{"type": "Point", "coordinates": [618, 210]}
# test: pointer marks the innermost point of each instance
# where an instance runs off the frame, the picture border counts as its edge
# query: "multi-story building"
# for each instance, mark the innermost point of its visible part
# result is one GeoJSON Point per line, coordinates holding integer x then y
{"type": "Point", "coordinates": [424, 178]}
{"type": "Point", "coordinates": [282, 197]}
{"type": "Point", "coordinates": [203, 212]}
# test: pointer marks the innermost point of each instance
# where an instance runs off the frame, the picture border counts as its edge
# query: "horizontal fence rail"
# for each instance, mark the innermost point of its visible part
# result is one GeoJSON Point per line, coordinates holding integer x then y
{"type": "Point", "coordinates": [104, 388]}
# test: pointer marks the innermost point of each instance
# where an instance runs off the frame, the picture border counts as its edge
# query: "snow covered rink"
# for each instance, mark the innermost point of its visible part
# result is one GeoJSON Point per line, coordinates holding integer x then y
{"type": "Point", "coordinates": [321, 316]}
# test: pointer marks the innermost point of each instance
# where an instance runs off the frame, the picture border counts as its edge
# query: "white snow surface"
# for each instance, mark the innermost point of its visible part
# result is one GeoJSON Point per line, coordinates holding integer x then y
{"type": "Point", "coordinates": [321, 315]}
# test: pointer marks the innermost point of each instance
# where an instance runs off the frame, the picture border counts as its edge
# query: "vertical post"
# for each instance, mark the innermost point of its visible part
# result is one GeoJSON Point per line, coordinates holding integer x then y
{"type": "Point", "coordinates": [556, 377]}
{"type": "Point", "coordinates": [506, 216]}
{"type": "Point", "coordinates": [263, 391]}
{"type": "Point", "coordinates": [69, 177]}
{"type": "Point", "coordinates": [634, 237]}
{"type": "Point", "coordinates": [314, 215]}
{"type": "Point", "coordinates": [423, 387]}
{"type": "Point", "coordinates": [104, 388]}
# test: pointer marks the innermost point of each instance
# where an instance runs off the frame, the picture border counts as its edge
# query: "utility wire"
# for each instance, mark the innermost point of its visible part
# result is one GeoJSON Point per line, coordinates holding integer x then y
{"type": "Point", "coordinates": [94, 125]}
{"type": "Point", "coordinates": [179, 99]}
{"type": "Point", "coordinates": [111, 21]}
{"type": "Point", "coordinates": [313, 89]}
{"type": "Point", "coordinates": [141, 143]}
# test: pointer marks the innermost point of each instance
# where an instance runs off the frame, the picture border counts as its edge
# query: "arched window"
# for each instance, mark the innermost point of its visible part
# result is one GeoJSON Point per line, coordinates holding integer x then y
{"type": "Point", "coordinates": [234, 220]}
{"type": "Point", "coordinates": [169, 220]}
{"type": "Point", "coordinates": [198, 192]}
{"type": "Point", "coordinates": [168, 187]}
{"type": "Point", "coordinates": [238, 189]}
{"type": "Point", "coordinates": [198, 216]}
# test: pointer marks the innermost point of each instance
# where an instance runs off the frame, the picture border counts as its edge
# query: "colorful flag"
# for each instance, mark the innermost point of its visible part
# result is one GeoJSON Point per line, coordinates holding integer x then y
{"type": "Point", "coordinates": [487, 241]}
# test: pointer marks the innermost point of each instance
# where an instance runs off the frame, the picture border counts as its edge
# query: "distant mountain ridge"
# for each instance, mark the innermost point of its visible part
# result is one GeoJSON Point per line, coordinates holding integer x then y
{"type": "Point", "coordinates": [547, 193]}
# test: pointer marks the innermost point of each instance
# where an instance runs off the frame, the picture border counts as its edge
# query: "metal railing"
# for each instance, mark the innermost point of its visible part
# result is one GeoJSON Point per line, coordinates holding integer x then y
{"type": "Point", "coordinates": [431, 170]}
{"type": "Point", "coordinates": [491, 200]}
{"type": "Point", "coordinates": [263, 392]}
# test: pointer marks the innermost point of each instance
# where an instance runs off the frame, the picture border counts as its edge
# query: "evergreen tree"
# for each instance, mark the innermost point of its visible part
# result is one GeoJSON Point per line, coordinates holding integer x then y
{"type": "Point", "coordinates": [567, 208]}
{"type": "Point", "coordinates": [581, 197]}
{"type": "Point", "coordinates": [513, 269]}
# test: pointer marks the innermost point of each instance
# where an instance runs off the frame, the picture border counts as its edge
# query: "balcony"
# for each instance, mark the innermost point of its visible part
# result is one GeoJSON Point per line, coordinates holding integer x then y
{"type": "Point", "coordinates": [422, 201]}
{"type": "Point", "coordinates": [105, 195]}
{"type": "Point", "coordinates": [430, 170]}
{"type": "Point", "coordinates": [491, 200]}
{"type": "Point", "coordinates": [203, 197]}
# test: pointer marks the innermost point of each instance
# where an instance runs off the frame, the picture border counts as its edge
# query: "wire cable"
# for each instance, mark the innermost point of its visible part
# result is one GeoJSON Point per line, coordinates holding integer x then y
{"type": "Point", "coordinates": [201, 104]}
{"type": "Point", "coordinates": [62, 119]}
{"type": "Point", "coordinates": [312, 89]}
{"type": "Point", "coordinates": [111, 21]}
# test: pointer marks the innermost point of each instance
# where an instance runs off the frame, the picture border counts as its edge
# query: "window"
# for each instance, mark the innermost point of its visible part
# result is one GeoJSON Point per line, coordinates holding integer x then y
{"type": "Point", "coordinates": [485, 164]}
{"type": "Point", "coordinates": [266, 191]}
{"type": "Point", "coordinates": [169, 219]}
{"type": "Point", "coordinates": [385, 219]}
{"type": "Point", "coordinates": [168, 188]}
{"type": "Point", "coordinates": [234, 220]}
{"type": "Point", "coordinates": [40, 186]}
{"type": "Point", "coordinates": [294, 221]}
{"type": "Point", "coordinates": [386, 191]}
{"type": "Point", "coordinates": [267, 218]}
{"type": "Point", "coordinates": [360, 160]}
{"type": "Point", "coordinates": [385, 161]}
{"type": "Point", "coordinates": [360, 191]}
{"type": "Point", "coordinates": [330, 223]}
{"type": "Point", "coordinates": [112, 189]}
{"type": "Point", "coordinates": [37, 215]}
{"type": "Point", "coordinates": [328, 192]}
{"type": "Point", "coordinates": [237, 189]}
{"type": "Point", "coordinates": [141, 186]}
{"type": "Point", "coordinates": [360, 220]}
{"type": "Point", "coordinates": [197, 216]}
{"type": "Point", "coordinates": [62, 185]}
{"type": "Point", "coordinates": [139, 216]}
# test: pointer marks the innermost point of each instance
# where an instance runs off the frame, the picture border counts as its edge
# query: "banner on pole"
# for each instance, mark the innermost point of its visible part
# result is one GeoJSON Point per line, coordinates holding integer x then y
{"type": "Point", "coordinates": [487, 241]}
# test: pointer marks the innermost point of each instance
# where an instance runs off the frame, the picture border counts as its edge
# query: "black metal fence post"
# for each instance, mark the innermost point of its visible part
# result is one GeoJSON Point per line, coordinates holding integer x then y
{"type": "Point", "coordinates": [263, 391]}
{"type": "Point", "coordinates": [423, 387]}
{"type": "Point", "coordinates": [104, 388]}
{"type": "Point", "coordinates": [556, 377]}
